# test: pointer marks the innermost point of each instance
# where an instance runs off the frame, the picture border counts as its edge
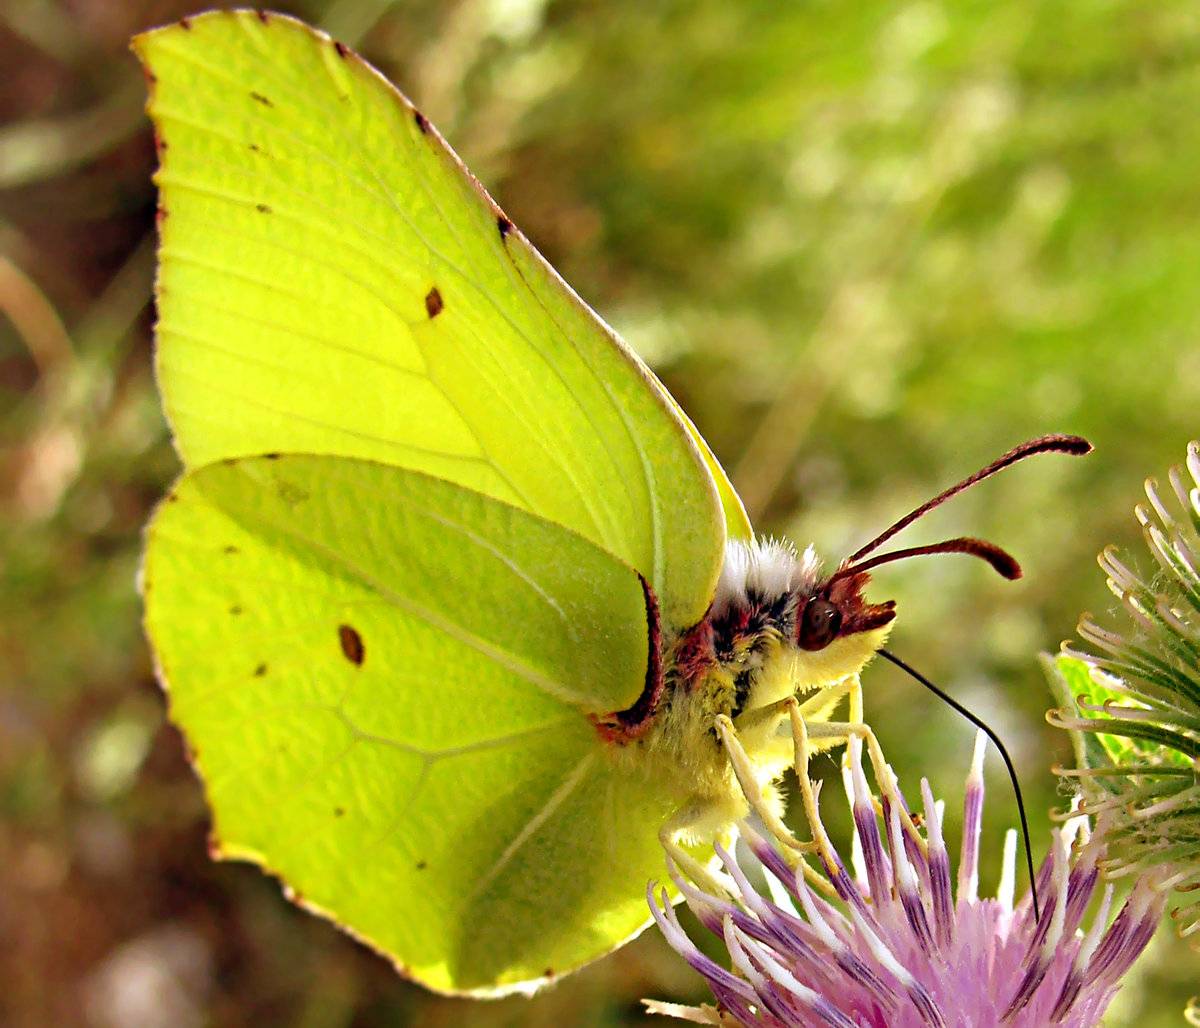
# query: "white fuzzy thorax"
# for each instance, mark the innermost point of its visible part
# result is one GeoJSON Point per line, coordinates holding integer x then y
{"type": "Point", "coordinates": [766, 567]}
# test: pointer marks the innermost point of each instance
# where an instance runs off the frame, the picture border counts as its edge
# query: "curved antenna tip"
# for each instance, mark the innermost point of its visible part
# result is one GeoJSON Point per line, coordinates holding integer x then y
{"type": "Point", "coordinates": [1075, 445]}
{"type": "Point", "coordinates": [1059, 443]}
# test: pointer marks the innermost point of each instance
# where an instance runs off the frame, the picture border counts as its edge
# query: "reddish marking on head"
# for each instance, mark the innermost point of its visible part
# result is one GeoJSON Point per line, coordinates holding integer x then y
{"type": "Point", "coordinates": [504, 225]}
{"type": "Point", "coordinates": [422, 122]}
{"type": "Point", "coordinates": [265, 101]}
{"type": "Point", "coordinates": [433, 303]}
{"type": "Point", "coordinates": [343, 51]}
{"type": "Point", "coordinates": [352, 645]}
{"type": "Point", "coordinates": [857, 614]}
{"type": "Point", "coordinates": [623, 726]}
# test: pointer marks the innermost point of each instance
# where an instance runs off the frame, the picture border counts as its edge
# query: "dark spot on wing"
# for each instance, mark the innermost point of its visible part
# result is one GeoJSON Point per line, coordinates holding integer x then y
{"type": "Point", "coordinates": [548, 973]}
{"type": "Point", "coordinates": [160, 216]}
{"type": "Point", "coordinates": [264, 16]}
{"type": "Point", "coordinates": [261, 99]}
{"type": "Point", "coordinates": [422, 122]}
{"type": "Point", "coordinates": [290, 493]}
{"type": "Point", "coordinates": [262, 208]}
{"type": "Point", "coordinates": [232, 549]}
{"type": "Point", "coordinates": [235, 610]}
{"type": "Point", "coordinates": [185, 24]}
{"type": "Point", "coordinates": [172, 498]}
{"type": "Point", "coordinates": [504, 225]}
{"type": "Point", "coordinates": [254, 147]}
{"type": "Point", "coordinates": [342, 50]}
{"type": "Point", "coordinates": [260, 670]}
{"type": "Point", "coordinates": [421, 865]}
{"type": "Point", "coordinates": [271, 456]}
{"type": "Point", "coordinates": [339, 811]}
{"type": "Point", "coordinates": [160, 144]}
{"type": "Point", "coordinates": [433, 303]}
{"type": "Point", "coordinates": [352, 645]}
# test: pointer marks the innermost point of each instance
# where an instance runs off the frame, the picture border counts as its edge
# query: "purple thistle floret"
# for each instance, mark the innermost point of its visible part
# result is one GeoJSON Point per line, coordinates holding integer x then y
{"type": "Point", "coordinates": [900, 942]}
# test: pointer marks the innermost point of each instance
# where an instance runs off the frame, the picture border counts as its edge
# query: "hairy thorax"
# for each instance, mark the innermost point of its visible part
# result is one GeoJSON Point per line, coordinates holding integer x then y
{"type": "Point", "coordinates": [740, 659]}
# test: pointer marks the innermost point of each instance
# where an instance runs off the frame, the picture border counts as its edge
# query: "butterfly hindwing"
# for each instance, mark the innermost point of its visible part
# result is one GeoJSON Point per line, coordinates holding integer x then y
{"type": "Point", "coordinates": [383, 678]}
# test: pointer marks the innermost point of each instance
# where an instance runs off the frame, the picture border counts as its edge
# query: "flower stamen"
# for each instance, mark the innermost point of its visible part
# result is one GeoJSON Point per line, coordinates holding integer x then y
{"type": "Point", "coordinates": [900, 945]}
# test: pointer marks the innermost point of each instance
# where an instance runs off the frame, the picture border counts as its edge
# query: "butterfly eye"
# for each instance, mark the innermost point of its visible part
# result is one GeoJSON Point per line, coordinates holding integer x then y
{"type": "Point", "coordinates": [819, 625]}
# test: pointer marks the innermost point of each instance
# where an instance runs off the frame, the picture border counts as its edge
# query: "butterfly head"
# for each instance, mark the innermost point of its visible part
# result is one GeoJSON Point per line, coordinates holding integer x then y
{"type": "Point", "coordinates": [837, 630]}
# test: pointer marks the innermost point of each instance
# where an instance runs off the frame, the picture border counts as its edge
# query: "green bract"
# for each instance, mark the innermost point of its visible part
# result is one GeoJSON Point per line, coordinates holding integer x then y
{"type": "Point", "coordinates": [423, 485]}
{"type": "Point", "coordinates": [1131, 699]}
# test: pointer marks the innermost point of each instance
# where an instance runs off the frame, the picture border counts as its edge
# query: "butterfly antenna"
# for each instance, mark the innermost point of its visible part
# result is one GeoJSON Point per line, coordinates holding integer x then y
{"type": "Point", "coordinates": [1000, 560]}
{"type": "Point", "coordinates": [1071, 444]}
{"type": "Point", "coordinates": [1012, 771]}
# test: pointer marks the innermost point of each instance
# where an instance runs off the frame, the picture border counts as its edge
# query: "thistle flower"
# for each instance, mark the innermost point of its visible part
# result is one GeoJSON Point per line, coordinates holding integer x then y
{"type": "Point", "coordinates": [1132, 704]}
{"type": "Point", "coordinates": [897, 943]}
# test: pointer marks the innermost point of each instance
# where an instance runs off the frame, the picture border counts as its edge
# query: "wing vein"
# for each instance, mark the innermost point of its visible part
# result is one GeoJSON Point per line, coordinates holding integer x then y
{"type": "Point", "coordinates": [498, 655]}
{"type": "Point", "coordinates": [557, 798]}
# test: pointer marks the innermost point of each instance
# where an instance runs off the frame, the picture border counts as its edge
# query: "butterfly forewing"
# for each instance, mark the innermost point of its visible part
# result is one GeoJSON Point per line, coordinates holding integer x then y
{"type": "Point", "coordinates": [332, 280]}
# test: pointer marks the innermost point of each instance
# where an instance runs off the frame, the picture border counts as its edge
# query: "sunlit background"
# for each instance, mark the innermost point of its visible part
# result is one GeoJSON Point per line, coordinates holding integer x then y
{"type": "Point", "coordinates": [868, 246]}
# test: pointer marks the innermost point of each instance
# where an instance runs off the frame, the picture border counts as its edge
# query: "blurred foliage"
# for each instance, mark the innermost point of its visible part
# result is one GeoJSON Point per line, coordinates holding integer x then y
{"type": "Point", "coordinates": [868, 246]}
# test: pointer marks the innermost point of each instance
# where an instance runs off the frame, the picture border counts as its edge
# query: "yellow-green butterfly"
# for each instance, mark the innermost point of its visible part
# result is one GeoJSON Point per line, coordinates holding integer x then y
{"type": "Point", "coordinates": [451, 594]}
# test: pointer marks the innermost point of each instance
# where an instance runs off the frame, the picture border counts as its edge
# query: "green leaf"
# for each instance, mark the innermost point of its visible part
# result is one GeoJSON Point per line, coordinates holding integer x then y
{"type": "Point", "coordinates": [383, 678]}
{"type": "Point", "coordinates": [332, 280]}
{"type": "Point", "coordinates": [1069, 680]}
{"type": "Point", "coordinates": [1127, 743]}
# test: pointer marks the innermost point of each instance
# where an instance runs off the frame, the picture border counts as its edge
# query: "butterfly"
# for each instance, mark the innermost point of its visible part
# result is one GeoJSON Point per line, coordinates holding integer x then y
{"type": "Point", "coordinates": [451, 598]}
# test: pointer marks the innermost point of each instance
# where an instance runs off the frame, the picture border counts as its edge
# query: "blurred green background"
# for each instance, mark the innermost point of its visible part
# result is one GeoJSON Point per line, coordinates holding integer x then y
{"type": "Point", "coordinates": [868, 246]}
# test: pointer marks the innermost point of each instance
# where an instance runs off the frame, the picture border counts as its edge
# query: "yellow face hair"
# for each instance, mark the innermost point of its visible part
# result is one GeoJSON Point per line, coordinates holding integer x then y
{"type": "Point", "coordinates": [847, 655]}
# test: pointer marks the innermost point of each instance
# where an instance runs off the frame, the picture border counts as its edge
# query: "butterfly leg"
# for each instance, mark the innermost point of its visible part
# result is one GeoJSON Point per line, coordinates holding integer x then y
{"type": "Point", "coordinates": [700, 819]}
{"type": "Point", "coordinates": [810, 733]}
{"type": "Point", "coordinates": [690, 822]}
{"type": "Point", "coordinates": [834, 732]}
